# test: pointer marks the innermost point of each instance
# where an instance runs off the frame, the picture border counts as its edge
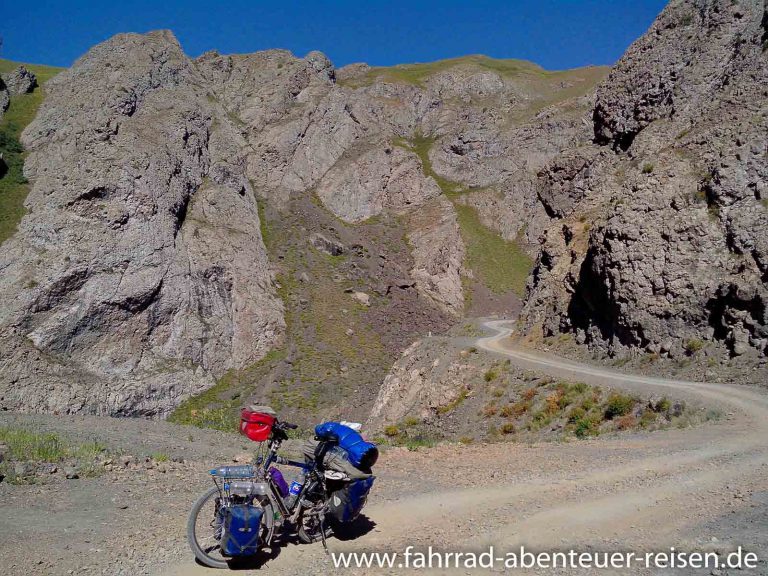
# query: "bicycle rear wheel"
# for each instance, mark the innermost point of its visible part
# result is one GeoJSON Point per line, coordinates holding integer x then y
{"type": "Point", "coordinates": [204, 529]}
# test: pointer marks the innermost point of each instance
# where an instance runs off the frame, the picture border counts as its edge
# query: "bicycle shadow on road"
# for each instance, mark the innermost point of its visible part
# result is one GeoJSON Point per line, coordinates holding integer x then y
{"type": "Point", "coordinates": [361, 526]}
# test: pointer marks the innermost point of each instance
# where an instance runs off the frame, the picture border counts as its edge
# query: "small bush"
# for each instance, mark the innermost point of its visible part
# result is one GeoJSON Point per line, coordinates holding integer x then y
{"type": "Point", "coordinates": [507, 428]}
{"type": "Point", "coordinates": [553, 403]}
{"type": "Point", "coordinates": [647, 168]}
{"type": "Point", "coordinates": [160, 457]}
{"type": "Point", "coordinates": [577, 413]}
{"type": "Point", "coordinates": [529, 394]}
{"type": "Point", "coordinates": [455, 403]}
{"type": "Point", "coordinates": [618, 405]}
{"type": "Point", "coordinates": [521, 407]}
{"type": "Point", "coordinates": [466, 440]}
{"type": "Point", "coordinates": [411, 421]}
{"type": "Point", "coordinates": [586, 426]}
{"type": "Point", "coordinates": [489, 410]}
{"type": "Point", "coordinates": [507, 411]}
{"type": "Point", "coordinates": [580, 387]}
{"type": "Point", "coordinates": [490, 375]}
{"type": "Point", "coordinates": [497, 392]}
{"type": "Point", "coordinates": [626, 422]}
{"type": "Point", "coordinates": [647, 419]}
{"type": "Point", "coordinates": [693, 345]}
{"type": "Point", "coordinates": [391, 430]}
{"type": "Point", "coordinates": [662, 406]}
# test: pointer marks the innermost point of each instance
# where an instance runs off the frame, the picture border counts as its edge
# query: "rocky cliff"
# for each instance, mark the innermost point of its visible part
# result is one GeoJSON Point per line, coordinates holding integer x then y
{"type": "Point", "coordinates": [139, 275]}
{"type": "Point", "coordinates": [658, 241]}
{"type": "Point", "coordinates": [189, 216]}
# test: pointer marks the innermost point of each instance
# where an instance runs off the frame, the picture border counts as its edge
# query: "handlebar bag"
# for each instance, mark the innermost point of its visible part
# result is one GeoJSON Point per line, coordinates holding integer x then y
{"type": "Point", "coordinates": [345, 504]}
{"type": "Point", "coordinates": [241, 525]}
{"type": "Point", "coordinates": [362, 454]}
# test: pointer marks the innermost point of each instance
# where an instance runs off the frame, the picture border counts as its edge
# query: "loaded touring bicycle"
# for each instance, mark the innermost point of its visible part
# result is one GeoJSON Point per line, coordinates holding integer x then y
{"type": "Point", "coordinates": [248, 507]}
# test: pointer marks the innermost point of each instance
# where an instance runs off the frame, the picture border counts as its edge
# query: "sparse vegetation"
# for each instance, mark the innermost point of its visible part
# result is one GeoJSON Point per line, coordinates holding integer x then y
{"type": "Point", "coordinates": [489, 410]}
{"type": "Point", "coordinates": [455, 403]}
{"type": "Point", "coordinates": [507, 428]}
{"type": "Point", "coordinates": [501, 265]}
{"type": "Point", "coordinates": [411, 421]}
{"type": "Point", "coordinates": [693, 345]}
{"type": "Point", "coordinates": [491, 374]}
{"type": "Point", "coordinates": [218, 407]}
{"type": "Point", "coordinates": [619, 405]}
{"type": "Point", "coordinates": [13, 184]}
{"type": "Point", "coordinates": [416, 74]}
{"type": "Point", "coordinates": [25, 445]}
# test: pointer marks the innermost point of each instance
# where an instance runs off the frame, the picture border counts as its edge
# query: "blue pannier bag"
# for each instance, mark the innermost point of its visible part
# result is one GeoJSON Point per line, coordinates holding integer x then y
{"type": "Point", "coordinates": [362, 454]}
{"type": "Point", "coordinates": [346, 503]}
{"type": "Point", "coordinates": [241, 525]}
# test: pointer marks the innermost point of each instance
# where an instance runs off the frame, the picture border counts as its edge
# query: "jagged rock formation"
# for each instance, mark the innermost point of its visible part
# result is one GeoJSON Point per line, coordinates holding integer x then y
{"type": "Point", "coordinates": [140, 276]}
{"type": "Point", "coordinates": [676, 187]}
{"type": "Point", "coordinates": [139, 273]}
{"type": "Point", "coordinates": [5, 98]}
{"type": "Point", "coordinates": [20, 81]}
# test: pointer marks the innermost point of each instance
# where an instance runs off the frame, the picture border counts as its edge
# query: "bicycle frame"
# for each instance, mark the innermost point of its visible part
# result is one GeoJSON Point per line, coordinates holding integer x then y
{"type": "Point", "coordinates": [310, 469]}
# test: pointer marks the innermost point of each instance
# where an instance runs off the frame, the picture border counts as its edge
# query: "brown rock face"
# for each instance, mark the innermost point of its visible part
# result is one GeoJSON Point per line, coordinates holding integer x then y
{"type": "Point", "coordinates": [677, 253]}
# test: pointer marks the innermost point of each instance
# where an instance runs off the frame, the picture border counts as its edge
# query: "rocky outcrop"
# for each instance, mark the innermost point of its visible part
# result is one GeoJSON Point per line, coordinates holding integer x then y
{"type": "Point", "coordinates": [20, 81]}
{"type": "Point", "coordinates": [384, 177]}
{"type": "Point", "coordinates": [424, 380]}
{"type": "Point", "coordinates": [5, 98]}
{"type": "Point", "coordinates": [139, 274]}
{"type": "Point", "coordinates": [676, 257]}
{"type": "Point", "coordinates": [438, 254]}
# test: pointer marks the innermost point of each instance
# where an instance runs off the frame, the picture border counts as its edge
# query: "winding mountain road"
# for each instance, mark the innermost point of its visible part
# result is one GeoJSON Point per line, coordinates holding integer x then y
{"type": "Point", "coordinates": [701, 488]}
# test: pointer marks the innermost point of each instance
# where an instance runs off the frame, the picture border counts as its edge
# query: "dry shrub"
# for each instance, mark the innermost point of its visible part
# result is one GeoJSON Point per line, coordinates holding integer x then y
{"type": "Point", "coordinates": [520, 408]}
{"type": "Point", "coordinates": [489, 410]}
{"type": "Point", "coordinates": [626, 422]}
{"type": "Point", "coordinates": [553, 402]}
{"type": "Point", "coordinates": [508, 428]}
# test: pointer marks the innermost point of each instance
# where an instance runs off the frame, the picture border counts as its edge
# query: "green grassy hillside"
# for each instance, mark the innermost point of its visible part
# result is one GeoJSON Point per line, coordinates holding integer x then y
{"type": "Point", "coordinates": [13, 186]}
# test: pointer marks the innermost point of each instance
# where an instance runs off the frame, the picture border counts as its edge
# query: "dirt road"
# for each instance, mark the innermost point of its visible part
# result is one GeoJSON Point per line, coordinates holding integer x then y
{"type": "Point", "coordinates": [701, 488]}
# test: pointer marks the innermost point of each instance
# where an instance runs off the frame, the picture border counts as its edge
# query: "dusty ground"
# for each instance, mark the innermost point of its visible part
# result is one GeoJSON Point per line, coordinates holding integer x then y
{"type": "Point", "coordinates": [698, 488]}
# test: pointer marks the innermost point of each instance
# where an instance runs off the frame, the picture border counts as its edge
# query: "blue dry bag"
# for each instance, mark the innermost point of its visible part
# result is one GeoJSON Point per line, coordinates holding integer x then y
{"type": "Point", "coordinates": [362, 454]}
{"type": "Point", "coordinates": [241, 525]}
{"type": "Point", "coordinates": [345, 504]}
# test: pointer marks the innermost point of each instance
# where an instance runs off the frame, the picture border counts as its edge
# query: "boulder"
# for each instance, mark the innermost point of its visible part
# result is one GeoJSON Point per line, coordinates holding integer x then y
{"type": "Point", "coordinates": [20, 81]}
{"type": "Point", "coordinates": [362, 298]}
{"type": "Point", "coordinates": [326, 245]}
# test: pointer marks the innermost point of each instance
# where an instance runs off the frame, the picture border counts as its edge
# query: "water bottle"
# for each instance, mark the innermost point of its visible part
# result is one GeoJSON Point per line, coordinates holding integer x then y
{"type": "Point", "coordinates": [233, 472]}
{"type": "Point", "coordinates": [295, 489]}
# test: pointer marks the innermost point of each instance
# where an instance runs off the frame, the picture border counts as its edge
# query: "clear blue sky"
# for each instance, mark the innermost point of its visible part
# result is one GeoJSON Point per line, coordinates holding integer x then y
{"type": "Point", "coordinates": [554, 33]}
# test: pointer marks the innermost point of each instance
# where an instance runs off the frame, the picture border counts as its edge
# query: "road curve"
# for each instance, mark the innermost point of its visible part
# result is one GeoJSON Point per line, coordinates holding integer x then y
{"type": "Point", "coordinates": [642, 491]}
